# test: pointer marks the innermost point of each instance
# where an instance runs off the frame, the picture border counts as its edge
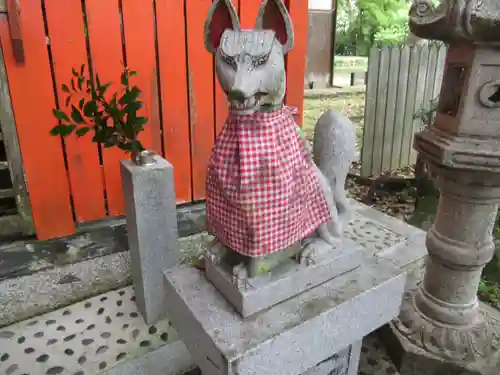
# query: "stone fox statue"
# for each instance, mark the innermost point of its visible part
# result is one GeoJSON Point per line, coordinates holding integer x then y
{"type": "Point", "coordinates": [267, 198]}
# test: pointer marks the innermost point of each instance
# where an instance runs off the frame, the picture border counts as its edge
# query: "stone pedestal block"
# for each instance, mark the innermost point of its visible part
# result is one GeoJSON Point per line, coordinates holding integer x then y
{"type": "Point", "coordinates": [150, 209]}
{"type": "Point", "coordinates": [307, 334]}
{"type": "Point", "coordinates": [288, 280]}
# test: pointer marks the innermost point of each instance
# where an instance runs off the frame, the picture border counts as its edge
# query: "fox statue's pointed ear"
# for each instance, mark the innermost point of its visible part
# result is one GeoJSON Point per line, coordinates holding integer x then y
{"type": "Point", "coordinates": [221, 16]}
{"type": "Point", "coordinates": [273, 15]}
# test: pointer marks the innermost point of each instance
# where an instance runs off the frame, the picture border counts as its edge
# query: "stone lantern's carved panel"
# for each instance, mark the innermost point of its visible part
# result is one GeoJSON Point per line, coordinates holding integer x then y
{"type": "Point", "coordinates": [452, 91]}
{"type": "Point", "coordinates": [457, 21]}
{"type": "Point", "coordinates": [470, 95]}
{"type": "Point", "coordinates": [489, 94]}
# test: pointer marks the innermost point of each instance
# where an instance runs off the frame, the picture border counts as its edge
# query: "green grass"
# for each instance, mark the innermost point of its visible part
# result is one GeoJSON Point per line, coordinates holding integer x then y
{"type": "Point", "coordinates": [350, 104]}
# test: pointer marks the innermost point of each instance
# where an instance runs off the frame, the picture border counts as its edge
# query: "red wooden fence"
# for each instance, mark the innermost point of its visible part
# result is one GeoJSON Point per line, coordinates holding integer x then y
{"type": "Point", "coordinates": [75, 181]}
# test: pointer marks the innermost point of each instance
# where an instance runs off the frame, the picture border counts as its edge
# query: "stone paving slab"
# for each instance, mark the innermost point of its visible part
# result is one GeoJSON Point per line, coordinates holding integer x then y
{"type": "Point", "coordinates": [106, 335]}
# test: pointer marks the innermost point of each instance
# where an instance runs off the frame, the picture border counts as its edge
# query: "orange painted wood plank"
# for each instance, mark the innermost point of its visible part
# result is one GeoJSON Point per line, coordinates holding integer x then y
{"type": "Point", "coordinates": [201, 93]}
{"type": "Point", "coordinates": [67, 40]}
{"type": "Point", "coordinates": [32, 98]}
{"type": "Point", "coordinates": [107, 60]}
{"type": "Point", "coordinates": [248, 13]}
{"type": "Point", "coordinates": [170, 23]}
{"type": "Point", "coordinates": [140, 50]}
{"type": "Point", "coordinates": [296, 59]}
{"type": "Point", "coordinates": [221, 103]}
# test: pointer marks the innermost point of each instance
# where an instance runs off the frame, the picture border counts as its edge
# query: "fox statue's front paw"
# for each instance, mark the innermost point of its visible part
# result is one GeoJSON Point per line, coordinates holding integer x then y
{"type": "Point", "coordinates": [307, 256]}
{"type": "Point", "coordinates": [314, 249]}
{"type": "Point", "coordinates": [240, 276]}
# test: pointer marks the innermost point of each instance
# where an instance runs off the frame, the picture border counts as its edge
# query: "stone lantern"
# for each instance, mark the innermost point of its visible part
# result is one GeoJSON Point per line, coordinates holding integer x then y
{"type": "Point", "coordinates": [442, 328]}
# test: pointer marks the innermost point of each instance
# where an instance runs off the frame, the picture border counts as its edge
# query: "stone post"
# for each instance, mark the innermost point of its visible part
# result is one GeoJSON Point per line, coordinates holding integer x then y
{"type": "Point", "coordinates": [442, 328]}
{"type": "Point", "coordinates": [150, 207]}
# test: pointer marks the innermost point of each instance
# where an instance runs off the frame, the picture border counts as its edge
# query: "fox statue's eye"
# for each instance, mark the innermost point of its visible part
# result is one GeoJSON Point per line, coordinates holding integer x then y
{"type": "Point", "coordinates": [260, 61]}
{"type": "Point", "coordinates": [229, 60]}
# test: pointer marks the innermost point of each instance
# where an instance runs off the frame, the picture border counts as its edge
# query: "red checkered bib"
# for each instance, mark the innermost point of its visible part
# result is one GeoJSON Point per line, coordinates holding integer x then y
{"type": "Point", "coordinates": [263, 194]}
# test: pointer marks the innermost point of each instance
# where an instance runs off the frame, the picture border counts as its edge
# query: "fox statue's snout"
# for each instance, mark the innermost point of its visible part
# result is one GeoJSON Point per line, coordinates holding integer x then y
{"type": "Point", "coordinates": [250, 66]}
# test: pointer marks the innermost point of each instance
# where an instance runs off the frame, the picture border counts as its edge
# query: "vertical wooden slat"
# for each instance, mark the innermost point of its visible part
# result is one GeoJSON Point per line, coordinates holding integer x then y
{"type": "Point", "coordinates": [248, 10]}
{"type": "Point", "coordinates": [402, 90]}
{"type": "Point", "coordinates": [430, 79]}
{"type": "Point", "coordinates": [390, 116]}
{"type": "Point", "coordinates": [296, 58]}
{"type": "Point", "coordinates": [201, 94]}
{"type": "Point", "coordinates": [67, 40]}
{"type": "Point", "coordinates": [138, 24]}
{"type": "Point", "coordinates": [419, 99]}
{"type": "Point", "coordinates": [10, 139]}
{"type": "Point", "coordinates": [107, 60]}
{"type": "Point", "coordinates": [378, 139]}
{"type": "Point", "coordinates": [407, 139]}
{"type": "Point", "coordinates": [221, 103]}
{"type": "Point", "coordinates": [33, 99]}
{"type": "Point", "coordinates": [170, 23]}
{"type": "Point", "coordinates": [370, 112]}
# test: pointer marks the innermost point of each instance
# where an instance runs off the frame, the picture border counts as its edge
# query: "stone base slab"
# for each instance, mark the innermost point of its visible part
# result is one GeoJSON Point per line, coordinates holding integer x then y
{"type": "Point", "coordinates": [291, 337]}
{"type": "Point", "coordinates": [286, 281]}
{"type": "Point", "coordinates": [412, 359]}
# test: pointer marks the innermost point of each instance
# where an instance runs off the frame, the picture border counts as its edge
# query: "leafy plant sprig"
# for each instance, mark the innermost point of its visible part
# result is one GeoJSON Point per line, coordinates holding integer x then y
{"type": "Point", "coordinates": [113, 118]}
{"type": "Point", "coordinates": [427, 113]}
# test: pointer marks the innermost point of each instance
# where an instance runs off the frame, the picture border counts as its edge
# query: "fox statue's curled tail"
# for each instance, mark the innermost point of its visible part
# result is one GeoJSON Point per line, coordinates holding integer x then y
{"type": "Point", "coordinates": [334, 150]}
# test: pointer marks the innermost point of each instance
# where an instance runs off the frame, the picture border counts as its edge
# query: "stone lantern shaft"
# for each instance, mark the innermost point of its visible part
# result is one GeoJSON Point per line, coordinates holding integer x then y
{"type": "Point", "coordinates": [442, 328]}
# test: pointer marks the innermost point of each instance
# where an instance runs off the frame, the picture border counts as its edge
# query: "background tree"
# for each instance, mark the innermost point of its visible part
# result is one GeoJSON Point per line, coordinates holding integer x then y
{"type": "Point", "coordinates": [362, 24]}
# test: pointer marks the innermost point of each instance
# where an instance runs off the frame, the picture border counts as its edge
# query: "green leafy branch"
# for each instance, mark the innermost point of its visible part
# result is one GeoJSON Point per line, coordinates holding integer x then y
{"type": "Point", "coordinates": [427, 113]}
{"type": "Point", "coordinates": [113, 119]}
{"type": "Point", "coordinates": [489, 292]}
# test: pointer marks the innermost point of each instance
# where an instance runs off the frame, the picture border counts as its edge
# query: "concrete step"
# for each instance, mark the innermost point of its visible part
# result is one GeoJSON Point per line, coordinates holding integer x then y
{"type": "Point", "coordinates": [58, 286]}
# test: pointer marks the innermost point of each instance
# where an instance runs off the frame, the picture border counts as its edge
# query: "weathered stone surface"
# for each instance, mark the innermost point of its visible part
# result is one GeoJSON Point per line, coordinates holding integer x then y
{"type": "Point", "coordinates": [171, 359]}
{"type": "Point", "coordinates": [28, 296]}
{"type": "Point", "coordinates": [254, 94]}
{"type": "Point", "coordinates": [24, 297]}
{"type": "Point", "coordinates": [147, 354]}
{"type": "Point", "coordinates": [26, 257]}
{"type": "Point", "coordinates": [291, 278]}
{"type": "Point", "coordinates": [441, 329]}
{"type": "Point", "coordinates": [413, 359]}
{"type": "Point", "coordinates": [474, 21]}
{"type": "Point", "coordinates": [150, 207]}
{"type": "Point", "coordinates": [289, 338]}
{"type": "Point", "coordinates": [345, 362]}
{"type": "Point", "coordinates": [113, 271]}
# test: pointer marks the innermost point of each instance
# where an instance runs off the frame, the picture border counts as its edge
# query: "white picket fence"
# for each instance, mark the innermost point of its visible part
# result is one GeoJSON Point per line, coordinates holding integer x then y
{"type": "Point", "coordinates": [401, 80]}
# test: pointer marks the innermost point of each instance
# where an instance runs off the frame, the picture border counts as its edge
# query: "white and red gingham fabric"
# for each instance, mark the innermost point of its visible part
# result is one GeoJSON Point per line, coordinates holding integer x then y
{"type": "Point", "coordinates": [262, 191]}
